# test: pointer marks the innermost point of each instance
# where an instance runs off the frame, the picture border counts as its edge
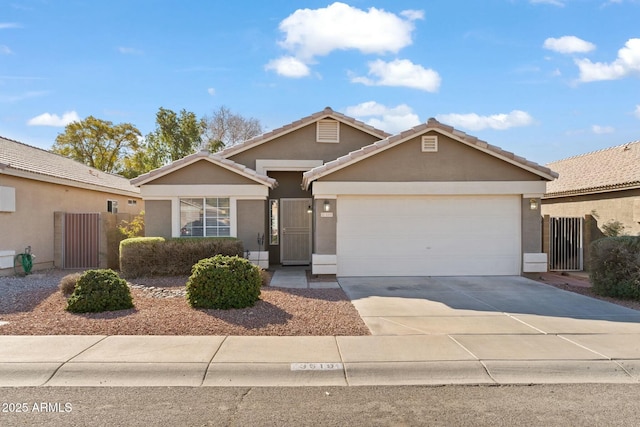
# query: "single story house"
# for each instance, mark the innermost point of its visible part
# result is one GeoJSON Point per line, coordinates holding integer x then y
{"type": "Point", "coordinates": [604, 184]}
{"type": "Point", "coordinates": [37, 189]}
{"type": "Point", "coordinates": [348, 199]}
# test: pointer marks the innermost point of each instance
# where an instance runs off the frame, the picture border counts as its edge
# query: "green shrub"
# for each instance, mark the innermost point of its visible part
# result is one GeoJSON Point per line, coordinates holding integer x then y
{"type": "Point", "coordinates": [99, 290]}
{"type": "Point", "coordinates": [615, 267]}
{"type": "Point", "coordinates": [68, 283]}
{"type": "Point", "coordinates": [224, 282]}
{"type": "Point", "coordinates": [155, 256]}
{"type": "Point", "coordinates": [613, 228]}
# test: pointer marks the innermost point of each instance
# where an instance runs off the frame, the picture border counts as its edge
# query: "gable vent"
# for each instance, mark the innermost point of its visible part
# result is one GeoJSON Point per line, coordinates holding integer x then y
{"type": "Point", "coordinates": [328, 131]}
{"type": "Point", "coordinates": [429, 144]}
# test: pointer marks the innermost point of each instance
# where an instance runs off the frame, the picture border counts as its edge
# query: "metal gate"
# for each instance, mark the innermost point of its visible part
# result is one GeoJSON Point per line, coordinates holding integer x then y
{"type": "Point", "coordinates": [566, 244]}
{"type": "Point", "coordinates": [81, 245]}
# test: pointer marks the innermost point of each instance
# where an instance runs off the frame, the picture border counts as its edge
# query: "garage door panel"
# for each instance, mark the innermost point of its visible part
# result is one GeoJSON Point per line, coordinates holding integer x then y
{"type": "Point", "coordinates": [400, 246]}
{"type": "Point", "coordinates": [430, 235]}
{"type": "Point", "coordinates": [433, 266]}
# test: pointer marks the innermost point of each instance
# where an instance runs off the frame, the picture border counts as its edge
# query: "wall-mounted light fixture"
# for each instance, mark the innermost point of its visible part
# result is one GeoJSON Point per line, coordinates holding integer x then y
{"type": "Point", "coordinates": [533, 204]}
{"type": "Point", "coordinates": [309, 210]}
{"type": "Point", "coordinates": [326, 206]}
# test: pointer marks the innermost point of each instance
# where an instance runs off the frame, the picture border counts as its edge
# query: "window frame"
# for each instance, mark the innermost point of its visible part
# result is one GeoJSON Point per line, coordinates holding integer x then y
{"type": "Point", "coordinates": [205, 207]}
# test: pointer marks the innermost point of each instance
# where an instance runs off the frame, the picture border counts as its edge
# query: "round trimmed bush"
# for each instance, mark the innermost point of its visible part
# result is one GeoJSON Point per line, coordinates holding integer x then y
{"type": "Point", "coordinates": [100, 290]}
{"type": "Point", "coordinates": [223, 282]}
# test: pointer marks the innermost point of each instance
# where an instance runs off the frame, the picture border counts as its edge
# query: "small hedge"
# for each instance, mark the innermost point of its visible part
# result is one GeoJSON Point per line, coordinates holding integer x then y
{"type": "Point", "coordinates": [156, 256]}
{"type": "Point", "coordinates": [99, 290]}
{"type": "Point", "coordinates": [224, 282]}
{"type": "Point", "coordinates": [615, 267]}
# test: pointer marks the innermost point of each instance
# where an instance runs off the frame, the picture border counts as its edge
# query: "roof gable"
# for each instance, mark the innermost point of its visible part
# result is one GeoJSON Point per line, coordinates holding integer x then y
{"type": "Point", "coordinates": [227, 164]}
{"type": "Point", "coordinates": [35, 163]}
{"type": "Point", "coordinates": [327, 113]}
{"type": "Point", "coordinates": [613, 168]}
{"type": "Point", "coordinates": [431, 126]}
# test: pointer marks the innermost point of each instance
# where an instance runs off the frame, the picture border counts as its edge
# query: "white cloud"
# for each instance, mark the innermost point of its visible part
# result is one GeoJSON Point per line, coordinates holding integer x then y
{"type": "Point", "coordinates": [413, 15]}
{"type": "Point", "coordinates": [400, 72]}
{"type": "Point", "coordinates": [288, 66]}
{"type": "Point", "coordinates": [309, 33]}
{"type": "Point", "coordinates": [47, 119]}
{"type": "Point", "coordinates": [129, 50]}
{"type": "Point", "coordinates": [637, 111]}
{"type": "Point", "coordinates": [211, 91]}
{"type": "Point", "coordinates": [7, 25]}
{"type": "Point", "coordinates": [317, 32]}
{"type": "Point", "coordinates": [601, 130]}
{"type": "Point", "coordinates": [628, 62]}
{"type": "Point", "coordinates": [390, 119]}
{"type": "Point", "coordinates": [568, 44]}
{"type": "Point", "coordinates": [473, 121]}
{"type": "Point", "coordinates": [551, 2]}
{"type": "Point", "coordinates": [4, 50]}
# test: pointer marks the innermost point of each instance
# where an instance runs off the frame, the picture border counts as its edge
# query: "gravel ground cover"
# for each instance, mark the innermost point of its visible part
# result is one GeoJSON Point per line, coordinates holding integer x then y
{"type": "Point", "coordinates": [33, 305]}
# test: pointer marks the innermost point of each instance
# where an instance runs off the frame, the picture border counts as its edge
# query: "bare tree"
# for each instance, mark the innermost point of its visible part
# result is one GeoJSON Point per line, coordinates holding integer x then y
{"type": "Point", "coordinates": [225, 128]}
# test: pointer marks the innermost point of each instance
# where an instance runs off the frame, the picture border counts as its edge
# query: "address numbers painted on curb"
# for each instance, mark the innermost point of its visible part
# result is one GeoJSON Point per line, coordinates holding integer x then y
{"type": "Point", "coordinates": [316, 366]}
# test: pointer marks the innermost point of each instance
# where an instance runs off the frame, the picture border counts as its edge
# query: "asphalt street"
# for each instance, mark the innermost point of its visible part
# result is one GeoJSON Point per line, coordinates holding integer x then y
{"type": "Point", "coordinates": [548, 405]}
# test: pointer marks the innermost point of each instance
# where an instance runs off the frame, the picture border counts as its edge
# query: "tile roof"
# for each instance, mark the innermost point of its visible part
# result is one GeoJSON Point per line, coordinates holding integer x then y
{"type": "Point", "coordinates": [22, 159]}
{"type": "Point", "coordinates": [213, 158]}
{"type": "Point", "coordinates": [609, 169]}
{"type": "Point", "coordinates": [431, 124]}
{"type": "Point", "coordinates": [327, 112]}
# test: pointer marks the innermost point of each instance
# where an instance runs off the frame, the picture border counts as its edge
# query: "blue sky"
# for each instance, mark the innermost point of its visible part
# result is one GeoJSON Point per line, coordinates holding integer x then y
{"type": "Point", "coordinates": [546, 79]}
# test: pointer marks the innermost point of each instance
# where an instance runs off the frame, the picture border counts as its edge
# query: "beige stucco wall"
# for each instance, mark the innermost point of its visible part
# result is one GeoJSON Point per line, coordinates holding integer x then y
{"type": "Point", "coordinates": [454, 161]}
{"type": "Point", "coordinates": [202, 172]}
{"type": "Point", "coordinates": [32, 224]}
{"type": "Point", "coordinates": [301, 145]}
{"type": "Point", "coordinates": [157, 218]}
{"type": "Point", "coordinates": [623, 206]}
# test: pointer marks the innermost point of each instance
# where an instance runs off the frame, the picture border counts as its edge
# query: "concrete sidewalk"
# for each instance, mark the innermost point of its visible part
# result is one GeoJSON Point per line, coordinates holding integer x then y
{"type": "Point", "coordinates": [318, 361]}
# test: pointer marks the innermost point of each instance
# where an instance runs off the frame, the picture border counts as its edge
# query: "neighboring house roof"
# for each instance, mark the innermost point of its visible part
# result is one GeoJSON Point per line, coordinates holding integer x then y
{"type": "Point", "coordinates": [326, 113]}
{"type": "Point", "coordinates": [615, 168]}
{"type": "Point", "coordinates": [29, 162]}
{"type": "Point", "coordinates": [432, 124]}
{"type": "Point", "coordinates": [213, 158]}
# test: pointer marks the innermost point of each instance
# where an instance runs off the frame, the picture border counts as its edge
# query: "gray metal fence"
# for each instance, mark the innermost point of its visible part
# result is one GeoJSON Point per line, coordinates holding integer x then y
{"type": "Point", "coordinates": [566, 244]}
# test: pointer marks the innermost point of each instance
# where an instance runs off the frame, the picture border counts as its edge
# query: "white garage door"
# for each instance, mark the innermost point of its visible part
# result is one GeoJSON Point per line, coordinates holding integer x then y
{"type": "Point", "coordinates": [428, 235]}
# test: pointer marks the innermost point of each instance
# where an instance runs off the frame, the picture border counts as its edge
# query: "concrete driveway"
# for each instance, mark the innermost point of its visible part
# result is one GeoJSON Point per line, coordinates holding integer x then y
{"type": "Point", "coordinates": [484, 305]}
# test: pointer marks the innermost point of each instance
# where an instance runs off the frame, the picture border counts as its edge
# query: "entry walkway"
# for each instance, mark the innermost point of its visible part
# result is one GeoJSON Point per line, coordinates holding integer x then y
{"type": "Point", "coordinates": [296, 278]}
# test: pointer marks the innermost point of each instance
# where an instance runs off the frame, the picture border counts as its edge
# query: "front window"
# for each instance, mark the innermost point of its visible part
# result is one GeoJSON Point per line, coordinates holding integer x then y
{"type": "Point", "coordinates": [205, 217]}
